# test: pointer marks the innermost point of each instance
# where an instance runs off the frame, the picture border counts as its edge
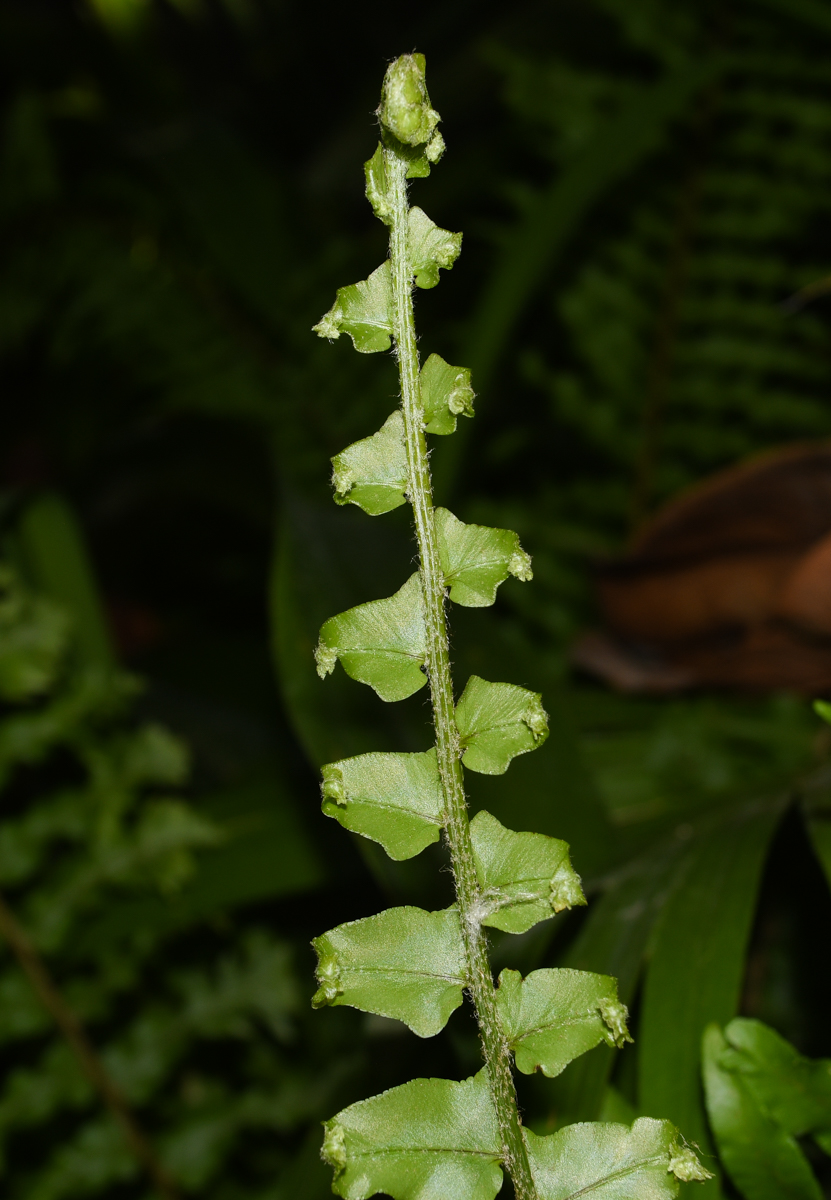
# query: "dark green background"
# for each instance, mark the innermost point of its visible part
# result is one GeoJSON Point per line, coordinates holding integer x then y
{"type": "Point", "coordinates": [641, 186]}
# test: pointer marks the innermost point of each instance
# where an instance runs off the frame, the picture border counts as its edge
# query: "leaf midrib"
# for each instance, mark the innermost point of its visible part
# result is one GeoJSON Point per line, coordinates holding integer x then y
{"type": "Point", "coordinates": [370, 802]}
{"type": "Point", "coordinates": [406, 971]}
{"type": "Point", "coordinates": [562, 1025]}
{"type": "Point", "coordinates": [656, 1160]}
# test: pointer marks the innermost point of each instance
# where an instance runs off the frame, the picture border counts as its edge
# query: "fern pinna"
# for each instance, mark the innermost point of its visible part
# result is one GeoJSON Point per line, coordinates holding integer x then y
{"type": "Point", "coordinates": [437, 1138]}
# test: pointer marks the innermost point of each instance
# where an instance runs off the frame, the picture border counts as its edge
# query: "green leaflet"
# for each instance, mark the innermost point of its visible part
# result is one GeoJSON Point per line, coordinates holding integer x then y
{"type": "Point", "coordinates": [553, 1016]}
{"type": "Point", "coordinates": [394, 799]}
{"type": "Point", "coordinates": [403, 963]}
{"type": "Point", "coordinates": [795, 1091]}
{"type": "Point", "coordinates": [612, 1162]}
{"type": "Point", "coordinates": [431, 1139]}
{"type": "Point", "coordinates": [429, 248]}
{"type": "Point", "coordinates": [372, 473]}
{"type": "Point", "coordinates": [525, 877]}
{"type": "Point", "coordinates": [363, 311]}
{"type": "Point", "coordinates": [377, 192]}
{"type": "Point", "coordinates": [762, 1158]}
{"type": "Point", "coordinates": [696, 965]}
{"type": "Point", "coordinates": [498, 721]}
{"type": "Point", "coordinates": [445, 395]}
{"type": "Point", "coordinates": [375, 173]}
{"type": "Point", "coordinates": [476, 559]}
{"type": "Point", "coordinates": [382, 643]}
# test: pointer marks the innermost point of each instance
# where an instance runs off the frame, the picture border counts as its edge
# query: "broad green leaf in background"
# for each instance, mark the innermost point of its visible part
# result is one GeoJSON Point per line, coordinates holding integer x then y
{"type": "Point", "coordinates": [616, 1108]}
{"type": "Point", "coordinates": [816, 804]}
{"type": "Point", "coordinates": [28, 167]}
{"type": "Point", "coordinates": [498, 721]}
{"type": "Point", "coordinates": [394, 799]}
{"type": "Point", "coordinates": [613, 941]}
{"type": "Point", "coordinates": [372, 473]}
{"type": "Point", "coordinates": [430, 1139]}
{"type": "Point", "coordinates": [810, 12]}
{"type": "Point", "coordinates": [553, 1016]}
{"type": "Point", "coordinates": [382, 643]}
{"type": "Point", "coordinates": [476, 559]}
{"type": "Point", "coordinates": [34, 634]}
{"type": "Point", "coordinates": [445, 395]}
{"type": "Point", "coordinates": [55, 560]}
{"type": "Point", "coordinates": [792, 1089]}
{"type": "Point", "coordinates": [363, 311]}
{"type": "Point", "coordinates": [762, 1158]}
{"type": "Point", "coordinates": [697, 963]}
{"type": "Point", "coordinates": [612, 1162]}
{"type": "Point", "coordinates": [525, 877]}
{"type": "Point", "coordinates": [430, 248]}
{"type": "Point", "coordinates": [403, 963]}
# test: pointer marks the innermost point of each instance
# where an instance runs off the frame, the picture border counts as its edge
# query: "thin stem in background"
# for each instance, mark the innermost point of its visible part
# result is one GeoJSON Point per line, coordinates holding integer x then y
{"type": "Point", "coordinates": [47, 992]}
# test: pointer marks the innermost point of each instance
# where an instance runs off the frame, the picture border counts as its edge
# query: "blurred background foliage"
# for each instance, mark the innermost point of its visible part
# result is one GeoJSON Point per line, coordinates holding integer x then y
{"type": "Point", "coordinates": [644, 190]}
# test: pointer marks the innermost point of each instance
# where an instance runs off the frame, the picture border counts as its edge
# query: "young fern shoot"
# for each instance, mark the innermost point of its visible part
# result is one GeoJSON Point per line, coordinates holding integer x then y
{"type": "Point", "coordinates": [435, 1139]}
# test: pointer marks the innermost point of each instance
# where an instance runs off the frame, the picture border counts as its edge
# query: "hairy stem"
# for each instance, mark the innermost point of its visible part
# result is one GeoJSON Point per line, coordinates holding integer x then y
{"type": "Point", "coordinates": [47, 991]}
{"type": "Point", "coordinates": [480, 979]}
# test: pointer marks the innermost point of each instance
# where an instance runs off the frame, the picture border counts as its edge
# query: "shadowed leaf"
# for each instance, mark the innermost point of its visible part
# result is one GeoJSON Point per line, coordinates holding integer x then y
{"type": "Point", "coordinates": [363, 311]}
{"type": "Point", "coordinates": [794, 1090]}
{"type": "Point", "coordinates": [445, 395]}
{"type": "Point", "coordinates": [762, 1158]}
